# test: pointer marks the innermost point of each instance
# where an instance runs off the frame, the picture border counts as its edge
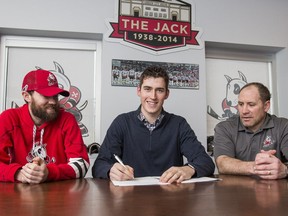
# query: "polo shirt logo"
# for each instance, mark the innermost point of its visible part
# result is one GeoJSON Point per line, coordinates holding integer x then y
{"type": "Point", "coordinates": [268, 142]}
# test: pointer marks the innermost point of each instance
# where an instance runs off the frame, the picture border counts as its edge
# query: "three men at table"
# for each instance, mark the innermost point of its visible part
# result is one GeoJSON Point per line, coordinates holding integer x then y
{"type": "Point", "coordinates": [40, 141]}
{"type": "Point", "coordinates": [151, 141]}
{"type": "Point", "coordinates": [255, 142]}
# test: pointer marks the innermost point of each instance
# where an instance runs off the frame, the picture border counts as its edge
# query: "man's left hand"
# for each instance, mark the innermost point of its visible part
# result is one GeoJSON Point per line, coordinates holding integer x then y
{"type": "Point", "coordinates": [268, 166]}
{"type": "Point", "coordinates": [177, 174]}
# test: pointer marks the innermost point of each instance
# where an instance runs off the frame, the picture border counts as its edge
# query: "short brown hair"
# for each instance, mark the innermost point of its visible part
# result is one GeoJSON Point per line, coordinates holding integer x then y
{"type": "Point", "coordinates": [262, 89]}
{"type": "Point", "coordinates": [156, 72]}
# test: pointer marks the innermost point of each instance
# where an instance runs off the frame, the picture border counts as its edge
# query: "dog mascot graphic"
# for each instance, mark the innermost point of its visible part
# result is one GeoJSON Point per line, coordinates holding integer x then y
{"type": "Point", "coordinates": [230, 102]}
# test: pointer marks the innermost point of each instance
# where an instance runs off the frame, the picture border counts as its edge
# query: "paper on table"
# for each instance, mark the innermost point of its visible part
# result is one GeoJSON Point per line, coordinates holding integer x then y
{"type": "Point", "coordinates": [151, 180]}
{"type": "Point", "coordinates": [154, 180]}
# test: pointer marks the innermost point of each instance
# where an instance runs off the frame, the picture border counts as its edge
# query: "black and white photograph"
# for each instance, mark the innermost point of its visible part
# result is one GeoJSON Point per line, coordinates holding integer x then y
{"type": "Point", "coordinates": [128, 72]}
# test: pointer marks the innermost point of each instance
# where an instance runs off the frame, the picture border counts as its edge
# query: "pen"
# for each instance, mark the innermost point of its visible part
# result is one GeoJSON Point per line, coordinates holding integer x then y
{"type": "Point", "coordinates": [131, 175]}
{"type": "Point", "coordinates": [119, 160]}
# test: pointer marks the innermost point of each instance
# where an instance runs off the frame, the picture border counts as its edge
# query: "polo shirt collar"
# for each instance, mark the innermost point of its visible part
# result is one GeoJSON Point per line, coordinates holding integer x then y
{"type": "Point", "coordinates": [268, 123]}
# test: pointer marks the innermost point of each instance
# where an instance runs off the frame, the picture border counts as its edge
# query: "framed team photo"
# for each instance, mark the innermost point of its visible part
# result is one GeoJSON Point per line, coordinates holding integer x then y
{"type": "Point", "coordinates": [128, 72]}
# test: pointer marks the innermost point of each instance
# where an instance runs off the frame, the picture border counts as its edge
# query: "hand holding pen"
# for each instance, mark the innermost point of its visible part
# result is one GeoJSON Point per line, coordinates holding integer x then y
{"type": "Point", "coordinates": [119, 171]}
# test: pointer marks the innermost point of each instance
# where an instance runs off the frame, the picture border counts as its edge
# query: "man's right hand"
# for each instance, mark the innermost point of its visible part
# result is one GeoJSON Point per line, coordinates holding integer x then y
{"type": "Point", "coordinates": [20, 177]}
{"type": "Point", "coordinates": [33, 173]}
{"type": "Point", "coordinates": [121, 173]}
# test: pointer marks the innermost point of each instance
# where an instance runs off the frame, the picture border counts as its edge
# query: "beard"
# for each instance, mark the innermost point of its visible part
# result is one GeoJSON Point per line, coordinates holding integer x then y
{"type": "Point", "coordinates": [41, 111]}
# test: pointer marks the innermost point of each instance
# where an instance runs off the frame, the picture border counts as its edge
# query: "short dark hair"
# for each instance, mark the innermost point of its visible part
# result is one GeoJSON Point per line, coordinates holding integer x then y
{"type": "Point", "coordinates": [262, 89]}
{"type": "Point", "coordinates": [156, 72]}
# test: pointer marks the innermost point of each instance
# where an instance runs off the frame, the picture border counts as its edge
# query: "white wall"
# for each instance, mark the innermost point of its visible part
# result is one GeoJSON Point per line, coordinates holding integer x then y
{"type": "Point", "coordinates": [255, 22]}
{"type": "Point", "coordinates": [246, 22]}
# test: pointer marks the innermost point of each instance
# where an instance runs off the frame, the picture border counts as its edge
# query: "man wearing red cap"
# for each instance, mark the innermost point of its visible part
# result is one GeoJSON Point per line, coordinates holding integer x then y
{"type": "Point", "coordinates": [40, 141]}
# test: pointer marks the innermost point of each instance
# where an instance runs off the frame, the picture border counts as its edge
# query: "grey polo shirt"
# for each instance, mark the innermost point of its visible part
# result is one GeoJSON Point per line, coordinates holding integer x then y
{"type": "Point", "coordinates": [232, 139]}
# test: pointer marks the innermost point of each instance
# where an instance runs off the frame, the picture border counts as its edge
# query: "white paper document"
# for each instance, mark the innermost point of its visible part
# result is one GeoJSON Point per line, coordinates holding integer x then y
{"type": "Point", "coordinates": [154, 180]}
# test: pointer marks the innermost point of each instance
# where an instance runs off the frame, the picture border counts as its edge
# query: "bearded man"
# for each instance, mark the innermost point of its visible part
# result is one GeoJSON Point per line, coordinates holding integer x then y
{"type": "Point", "coordinates": [39, 141]}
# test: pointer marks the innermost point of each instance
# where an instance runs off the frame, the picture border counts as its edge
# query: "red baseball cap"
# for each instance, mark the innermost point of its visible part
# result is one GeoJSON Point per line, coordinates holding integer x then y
{"type": "Point", "coordinates": [44, 82]}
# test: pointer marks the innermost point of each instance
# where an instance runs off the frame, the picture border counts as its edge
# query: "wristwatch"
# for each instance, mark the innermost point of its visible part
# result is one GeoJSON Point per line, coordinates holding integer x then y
{"type": "Point", "coordinates": [191, 166]}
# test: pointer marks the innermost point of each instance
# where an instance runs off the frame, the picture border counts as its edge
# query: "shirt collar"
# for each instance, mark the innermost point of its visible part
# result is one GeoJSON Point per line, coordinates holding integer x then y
{"type": "Point", "coordinates": [268, 123]}
{"type": "Point", "coordinates": [142, 118]}
{"type": "Point", "coordinates": [150, 126]}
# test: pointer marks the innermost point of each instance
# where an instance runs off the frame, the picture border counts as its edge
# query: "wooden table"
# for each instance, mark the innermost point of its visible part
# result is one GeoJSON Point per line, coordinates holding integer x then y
{"type": "Point", "coordinates": [234, 195]}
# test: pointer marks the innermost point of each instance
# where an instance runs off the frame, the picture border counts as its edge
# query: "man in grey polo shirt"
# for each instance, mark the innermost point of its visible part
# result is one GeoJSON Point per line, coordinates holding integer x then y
{"type": "Point", "coordinates": [253, 142]}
